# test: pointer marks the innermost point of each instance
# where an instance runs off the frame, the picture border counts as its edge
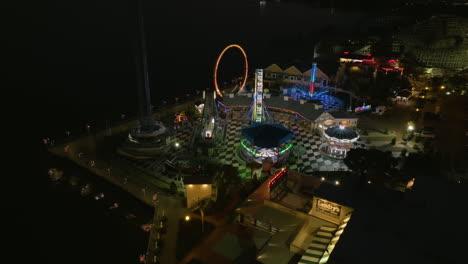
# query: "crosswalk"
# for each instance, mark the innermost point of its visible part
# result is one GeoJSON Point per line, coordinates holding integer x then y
{"type": "Point", "coordinates": [317, 248]}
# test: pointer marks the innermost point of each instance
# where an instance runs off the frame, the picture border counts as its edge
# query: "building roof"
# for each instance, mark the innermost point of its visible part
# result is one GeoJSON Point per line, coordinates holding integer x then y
{"type": "Point", "coordinates": [306, 110]}
{"type": "Point", "coordinates": [267, 135]}
{"type": "Point", "coordinates": [293, 70]}
{"type": "Point", "coordinates": [342, 115]}
{"type": "Point", "coordinates": [233, 247]}
{"type": "Point", "coordinates": [274, 68]}
{"type": "Point", "coordinates": [198, 179]}
{"type": "Point", "coordinates": [339, 194]}
{"type": "Point", "coordinates": [341, 132]}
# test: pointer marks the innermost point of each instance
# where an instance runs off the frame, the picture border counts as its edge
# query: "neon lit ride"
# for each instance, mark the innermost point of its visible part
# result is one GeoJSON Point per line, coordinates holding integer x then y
{"type": "Point", "coordinates": [362, 108]}
{"type": "Point", "coordinates": [338, 141]}
{"type": "Point", "coordinates": [312, 79]}
{"type": "Point", "coordinates": [258, 99]}
{"type": "Point", "coordinates": [215, 73]}
{"type": "Point", "coordinates": [266, 142]}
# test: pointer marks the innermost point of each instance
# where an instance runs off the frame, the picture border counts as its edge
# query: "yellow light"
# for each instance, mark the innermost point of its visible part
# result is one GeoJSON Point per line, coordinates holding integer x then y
{"type": "Point", "coordinates": [204, 185]}
{"type": "Point", "coordinates": [422, 96]}
{"type": "Point", "coordinates": [417, 109]}
{"type": "Point", "coordinates": [190, 185]}
{"type": "Point", "coordinates": [427, 88]}
{"type": "Point", "coordinates": [337, 182]}
{"type": "Point", "coordinates": [410, 128]}
{"type": "Point", "coordinates": [442, 87]}
{"type": "Point", "coordinates": [187, 218]}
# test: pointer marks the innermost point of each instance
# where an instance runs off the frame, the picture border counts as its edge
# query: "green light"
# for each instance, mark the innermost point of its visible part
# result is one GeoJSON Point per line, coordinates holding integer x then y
{"type": "Point", "coordinates": [286, 149]}
{"type": "Point", "coordinates": [249, 150]}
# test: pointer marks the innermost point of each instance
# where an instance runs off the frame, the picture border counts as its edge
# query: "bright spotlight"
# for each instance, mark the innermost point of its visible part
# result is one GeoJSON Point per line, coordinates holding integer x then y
{"type": "Point", "coordinates": [187, 218]}
{"type": "Point", "coordinates": [410, 128]}
{"type": "Point", "coordinates": [337, 182]}
{"type": "Point", "coordinates": [322, 179]}
{"type": "Point", "coordinates": [177, 144]}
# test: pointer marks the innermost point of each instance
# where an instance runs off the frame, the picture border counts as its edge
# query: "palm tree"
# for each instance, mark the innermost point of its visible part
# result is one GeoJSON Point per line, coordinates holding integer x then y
{"type": "Point", "coordinates": [202, 205]}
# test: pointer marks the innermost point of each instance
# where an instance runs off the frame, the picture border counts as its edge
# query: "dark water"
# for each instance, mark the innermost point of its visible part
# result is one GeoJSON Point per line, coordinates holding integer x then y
{"type": "Point", "coordinates": [75, 59]}
{"type": "Point", "coordinates": [80, 70]}
{"type": "Point", "coordinates": [83, 73]}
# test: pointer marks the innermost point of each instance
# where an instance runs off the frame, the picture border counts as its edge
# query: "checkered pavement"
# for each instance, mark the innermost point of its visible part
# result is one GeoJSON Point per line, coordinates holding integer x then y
{"type": "Point", "coordinates": [306, 156]}
{"type": "Point", "coordinates": [227, 150]}
{"type": "Point", "coordinates": [183, 136]}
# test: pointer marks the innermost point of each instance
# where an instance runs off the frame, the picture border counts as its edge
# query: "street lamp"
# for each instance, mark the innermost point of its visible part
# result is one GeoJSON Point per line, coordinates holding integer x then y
{"type": "Point", "coordinates": [442, 87]}
{"type": "Point", "coordinates": [177, 144]}
{"type": "Point", "coordinates": [410, 128]}
{"type": "Point", "coordinates": [187, 218]}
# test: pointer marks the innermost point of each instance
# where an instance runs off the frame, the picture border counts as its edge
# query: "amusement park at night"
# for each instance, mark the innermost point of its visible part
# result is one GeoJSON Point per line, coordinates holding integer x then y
{"type": "Point", "coordinates": [326, 145]}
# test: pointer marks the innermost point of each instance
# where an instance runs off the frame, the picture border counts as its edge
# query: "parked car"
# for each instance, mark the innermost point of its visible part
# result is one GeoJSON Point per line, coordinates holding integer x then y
{"type": "Point", "coordinates": [428, 132]}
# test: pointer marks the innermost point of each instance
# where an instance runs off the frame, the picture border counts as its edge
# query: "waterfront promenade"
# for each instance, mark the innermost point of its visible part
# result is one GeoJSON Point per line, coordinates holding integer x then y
{"type": "Point", "coordinates": [88, 152]}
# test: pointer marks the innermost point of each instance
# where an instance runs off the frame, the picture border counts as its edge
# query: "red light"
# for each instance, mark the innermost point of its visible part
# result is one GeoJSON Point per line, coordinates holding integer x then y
{"type": "Point", "coordinates": [346, 52]}
{"type": "Point", "coordinates": [368, 55]}
{"type": "Point", "coordinates": [391, 61]}
{"type": "Point", "coordinates": [277, 176]}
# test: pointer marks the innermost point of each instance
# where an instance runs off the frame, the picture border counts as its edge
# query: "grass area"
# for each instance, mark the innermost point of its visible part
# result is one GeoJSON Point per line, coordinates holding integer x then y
{"type": "Point", "coordinates": [190, 234]}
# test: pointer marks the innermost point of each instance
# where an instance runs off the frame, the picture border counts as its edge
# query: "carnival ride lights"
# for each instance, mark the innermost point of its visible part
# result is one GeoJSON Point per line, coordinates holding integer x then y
{"type": "Point", "coordinates": [258, 100]}
{"type": "Point", "coordinates": [181, 117]}
{"type": "Point", "coordinates": [265, 152]}
{"type": "Point", "coordinates": [362, 108]}
{"type": "Point", "coordinates": [312, 79]}
{"type": "Point", "coordinates": [215, 74]}
{"type": "Point", "coordinates": [339, 141]}
{"type": "Point", "coordinates": [277, 176]}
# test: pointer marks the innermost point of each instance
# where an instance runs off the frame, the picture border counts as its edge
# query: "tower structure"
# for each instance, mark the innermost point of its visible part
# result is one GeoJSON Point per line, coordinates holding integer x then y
{"type": "Point", "coordinates": [149, 138]}
{"type": "Point", "coordinates": [258, 112]}
{"type": "Point", "coordinates": [148, 128]}
{"type": "Point", "coordinates": [312, 79]}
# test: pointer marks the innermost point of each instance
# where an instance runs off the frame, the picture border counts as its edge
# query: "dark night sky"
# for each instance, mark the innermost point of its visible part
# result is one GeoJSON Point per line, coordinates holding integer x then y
{"type": "Point", "coordinates": [71, 62]}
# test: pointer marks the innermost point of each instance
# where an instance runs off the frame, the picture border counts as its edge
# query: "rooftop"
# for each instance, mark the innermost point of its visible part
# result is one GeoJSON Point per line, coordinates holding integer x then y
{"type": "Point", "coordinates": [267, 135]}
{"type": "Point", "coordinates": [197, 179]}
{"type": "Point", "coordinates": [307, 110]}
{"type": "Point", "coordinates": [341, 132]}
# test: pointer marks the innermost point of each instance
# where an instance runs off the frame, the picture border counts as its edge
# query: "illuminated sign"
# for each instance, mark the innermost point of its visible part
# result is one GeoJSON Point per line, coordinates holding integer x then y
{"type": "Point", "coordinates": [328, 208]}
{"type": "Point", "coordinates": [362, 108]}
{"type": "Point", "coordinates": [277, 176]}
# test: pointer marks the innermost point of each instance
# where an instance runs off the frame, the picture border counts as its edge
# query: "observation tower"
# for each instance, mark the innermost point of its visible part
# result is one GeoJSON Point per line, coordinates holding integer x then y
{"type": "Point", "coordinates": [149, 137]}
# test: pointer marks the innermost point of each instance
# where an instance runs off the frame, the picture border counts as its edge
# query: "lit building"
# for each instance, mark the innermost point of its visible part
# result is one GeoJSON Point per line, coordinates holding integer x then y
{"type": "Point", "coordinates": [287, 220]}
{"type": "Point", "coordinates": [338, 141]}
{"type": "Point", "coordinates": [198, 188]}
{"type": "Point", "coordinates": [292, 75]}
{"type": "Point", "coordinates": [305, 113]}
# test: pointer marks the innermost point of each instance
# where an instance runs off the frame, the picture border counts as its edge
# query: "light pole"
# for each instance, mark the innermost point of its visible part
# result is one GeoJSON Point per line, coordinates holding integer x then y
{"type": "Point", "coordinates": [410, 129]}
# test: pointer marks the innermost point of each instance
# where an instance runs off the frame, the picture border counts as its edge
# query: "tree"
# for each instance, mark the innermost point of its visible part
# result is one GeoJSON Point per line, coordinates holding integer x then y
{"type": "Point", "coordinates": [173, 188]}
{"type": "Point", "coordinates": [356, 160]}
